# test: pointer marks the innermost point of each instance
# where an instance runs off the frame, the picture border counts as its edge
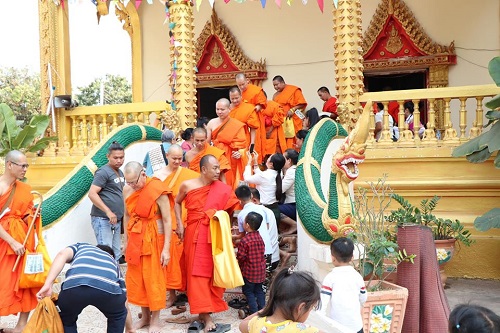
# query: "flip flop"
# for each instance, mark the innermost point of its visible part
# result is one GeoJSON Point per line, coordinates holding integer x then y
{"type": "Point", "coordinates": [179, 320]}
{"type": "Point", "coordinates": [237, 303]}
{"type": "Point", "coordinates": [220, 328]}
{"type": "Point", "coordinates": [196, 327]}
{"type": "Point", "coordinates": [178, 310]}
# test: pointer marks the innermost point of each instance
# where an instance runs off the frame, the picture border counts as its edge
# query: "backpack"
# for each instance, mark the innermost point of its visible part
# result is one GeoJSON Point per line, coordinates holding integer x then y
{"type": "Point", "coordinates": [45, 318]}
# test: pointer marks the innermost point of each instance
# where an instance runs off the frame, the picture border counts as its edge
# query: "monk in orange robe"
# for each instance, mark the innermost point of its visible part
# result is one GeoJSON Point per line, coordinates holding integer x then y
{"type": "Point", "coordinates": [229, 135]}
{"type": "Point", "coordinates": [202, 197]}
{"type": "Point", "coordinates": [202, 148]}
{"type": "Point", "coordinates": [16, 205]}
{"type": "Point", "coordinates": [245, 112]}
{"type": "Point", "coordinates": [172, 175]}
{"type": "Point", "coordinates": [330, 104]}
{"type": "Point", "coordinates": [149, 227]}
{"type": "Point", "coordinates": [275, 136]}
{"type": "Point", "coordinates": [291, 99]}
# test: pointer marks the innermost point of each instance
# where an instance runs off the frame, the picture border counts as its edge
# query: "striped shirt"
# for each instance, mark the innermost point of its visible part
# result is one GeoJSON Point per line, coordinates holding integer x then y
{"type": "Point", "coordinates": [94, 268]}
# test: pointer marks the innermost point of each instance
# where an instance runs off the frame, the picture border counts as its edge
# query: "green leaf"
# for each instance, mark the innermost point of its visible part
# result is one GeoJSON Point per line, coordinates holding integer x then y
{"type": "Point", "coordinates": [492, 115]}
{"type": "Point", "coordinates": [467, 148]}
{"type": "Point", "coordinates": [497, 161]}
{"type": "Point", "coordinates": [25, 138]}
{"type": "Point", "coordinates": [494, 140]}
{"type": "Point", "coordinates": [479, 156]}
{"type": "Point", "coordinates": [494, 70]}
{"type": "Point", "coordinates": [489, 220]}
{"type": "Point", "coordinates": [41, 122]}
{"type": "Point", "coordinates": [41, 144]}
{"type": "Point", "coordinates": [493, 103]}
{"type": "Point", "coordinates": [8, 121]}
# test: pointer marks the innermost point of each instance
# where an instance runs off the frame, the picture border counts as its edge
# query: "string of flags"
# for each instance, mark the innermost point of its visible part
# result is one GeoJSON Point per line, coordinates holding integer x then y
{"type": "Point", "coordinates": [197, 3]}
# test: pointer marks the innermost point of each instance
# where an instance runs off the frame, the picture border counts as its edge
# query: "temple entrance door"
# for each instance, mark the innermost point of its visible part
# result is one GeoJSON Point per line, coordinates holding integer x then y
{"type": "Point", "coordinates": [415, 79]}
{"type": "Point", "coordinates": [207, 97]}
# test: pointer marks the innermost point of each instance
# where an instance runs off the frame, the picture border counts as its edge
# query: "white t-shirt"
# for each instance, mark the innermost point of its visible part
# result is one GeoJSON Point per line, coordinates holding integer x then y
{"type": "Point", "coordinates": [288, 184]}
{"type": "Point", "coordinates": [272, 228]}
{"type": "Point", "coordinates": [264, 233]}
{"type": "Point", "coordinates": [344, 289]}
{"type": "Point", "coordinates": [379, 118]}
{"type": "Point", "coordinates": [265, 181]}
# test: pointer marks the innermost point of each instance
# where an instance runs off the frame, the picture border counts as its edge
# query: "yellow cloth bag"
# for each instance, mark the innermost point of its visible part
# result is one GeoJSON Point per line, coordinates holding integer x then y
{"type": "Point", "coordinates": [35, 265]}
{"type": "Point", "coordinates": [289, 128]}
{"type": "Point", "coordinates": [45, 318]}
{"type": "Point", "coordinates": [227, 273]}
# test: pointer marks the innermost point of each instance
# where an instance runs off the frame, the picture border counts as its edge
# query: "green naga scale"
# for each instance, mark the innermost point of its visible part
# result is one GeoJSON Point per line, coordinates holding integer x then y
{"type": "Point", "coordinates": [74, 187]}
{"type": "Point", "coordinates": [327, 217]}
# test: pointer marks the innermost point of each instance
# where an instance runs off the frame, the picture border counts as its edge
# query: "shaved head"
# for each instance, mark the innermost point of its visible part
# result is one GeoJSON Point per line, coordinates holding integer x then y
{"type": "Point", "coordinates": [279, 78]}
{"type": "Point", "coordinates": [240, 76]}
{"type": "Point", "coordinates": [224, 102]}
{"type": "Point", "coordinates": [175, 149]}
{"type": "Point", "coordinates": [207, 159]}
{"type": "Point", "coordinates": [133, 168]}
{"type": "Point", "coordinates": [14, 155]}
{"type": "Point", "coordinates": [175, 156]}
{"type": "Point", "coordinates": [200, 130]}
{"type": "Point", "coordinates": [234, 89]}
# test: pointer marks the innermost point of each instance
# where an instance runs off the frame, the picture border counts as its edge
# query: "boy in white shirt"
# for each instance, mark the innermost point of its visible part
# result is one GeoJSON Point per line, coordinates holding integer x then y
{"type": "Point", "coordinates": [343, 288]}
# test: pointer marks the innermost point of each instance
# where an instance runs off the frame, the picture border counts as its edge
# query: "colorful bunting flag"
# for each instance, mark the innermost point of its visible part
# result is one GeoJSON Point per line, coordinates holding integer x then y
{"type": "Point", "coordinates": [211, 3]}
{"type": "Point", "coordinates": [137, 4]}
{"type": "Point", "coordinates": [321, 5]}
{"type": "Point", "coordinates": [278, 3]}
{"type": "Point", "coordinates": [263, 3]}
{"type": "Point", "coordinates": [336, 3]}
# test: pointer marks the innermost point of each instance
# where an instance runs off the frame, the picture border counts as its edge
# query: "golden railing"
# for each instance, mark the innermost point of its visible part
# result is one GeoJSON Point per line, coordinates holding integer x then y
{"type": "Point", "coordinates": [448, 112]}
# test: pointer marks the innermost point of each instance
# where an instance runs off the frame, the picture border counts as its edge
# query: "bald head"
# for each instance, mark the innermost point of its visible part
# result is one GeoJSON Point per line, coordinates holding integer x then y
{"type": "Point", "coordinates": [200, 130]}
{"type": "Point", "coordinates": [234, 89]}
{"type": "Point", "coordinates": [174, 149]}
{"type": "Point", "coordinates": [16, 165]}
{"type": "Point", "coordinates": [14, 156]}
{"type": "Point", "coordinates": [207, 160]}
{"type": "Point", "coordinates": [224, 102]}
{"type": "Point", "coordinates": [240, 76]}
{"type": "Point", "coordinates": [133, 168]}
{"type": "Point", "coordinates": [174, 155]}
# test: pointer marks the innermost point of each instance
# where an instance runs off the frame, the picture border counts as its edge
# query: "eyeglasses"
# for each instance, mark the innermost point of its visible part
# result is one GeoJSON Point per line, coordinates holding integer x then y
{"type": "Point", "coordinates": [24, 166]}
{"type": "Point", "coordinates": [136, 181]}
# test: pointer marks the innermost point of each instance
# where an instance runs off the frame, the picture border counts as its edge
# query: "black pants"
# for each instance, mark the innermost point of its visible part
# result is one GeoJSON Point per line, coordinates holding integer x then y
{"type": "Point", "coordinates": [72, 301]}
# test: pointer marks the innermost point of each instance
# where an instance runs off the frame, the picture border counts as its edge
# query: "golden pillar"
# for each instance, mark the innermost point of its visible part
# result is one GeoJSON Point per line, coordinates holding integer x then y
{"type": "Point", "coordinates": [54, 51]}
{"type": "Point", "coordinates": [182, 64]}
{"type": "Point", "coordinates": [348, 60]}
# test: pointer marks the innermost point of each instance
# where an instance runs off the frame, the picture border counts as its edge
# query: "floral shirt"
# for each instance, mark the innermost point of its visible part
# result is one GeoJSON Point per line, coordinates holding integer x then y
{"type": "Point", "coordinates": [261, 325]}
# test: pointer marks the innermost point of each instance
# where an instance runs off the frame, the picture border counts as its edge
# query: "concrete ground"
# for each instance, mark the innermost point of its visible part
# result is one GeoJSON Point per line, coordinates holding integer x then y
{"type": "Point", "coordinates": [481, 292]}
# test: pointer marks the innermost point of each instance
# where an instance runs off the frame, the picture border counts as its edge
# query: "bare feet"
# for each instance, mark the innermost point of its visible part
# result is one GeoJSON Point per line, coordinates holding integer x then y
{"type": "Point", "coordinates": [207, 320]}
{"type": "Point", "coordinates": [144, 319]}
{"type": "Point", "coordinates": [172, 297]}
{"type": "Point", "coordinates": [154, 326]}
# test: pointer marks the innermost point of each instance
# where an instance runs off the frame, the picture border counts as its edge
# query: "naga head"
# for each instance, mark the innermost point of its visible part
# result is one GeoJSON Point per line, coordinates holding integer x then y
{"type": "Point", "coordinates": [352, 151]}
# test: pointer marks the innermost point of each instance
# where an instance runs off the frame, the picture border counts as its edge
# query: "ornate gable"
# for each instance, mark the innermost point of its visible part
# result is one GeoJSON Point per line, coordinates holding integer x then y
{"type": "Point", "coordinates": [395, 39]}
{"type": "Point", "coordinates": [219, 57]}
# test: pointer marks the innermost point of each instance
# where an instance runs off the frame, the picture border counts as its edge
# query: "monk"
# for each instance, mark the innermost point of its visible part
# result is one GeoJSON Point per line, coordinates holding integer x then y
{"type": "Point", "coordinates": [330, 104]}
{"type": "Point", "coordinates": [16, 208]}
{"type": "Point", "coordinates": [172, 175]}
{"type": "Point", "coordinates": [291, 99]}
{"type": "Point", "coordinates": [229, 135]}
{"type": "Point", "coordinates": [203, 196]}
{"type": "Point", "coordinates": [202, 148]}
{"type": "Point", "coordinates": [245, 113]}
{"type": "Point", "coordinates": [149, 227]}
{"type": "Point", "coordinates": [274, 116]}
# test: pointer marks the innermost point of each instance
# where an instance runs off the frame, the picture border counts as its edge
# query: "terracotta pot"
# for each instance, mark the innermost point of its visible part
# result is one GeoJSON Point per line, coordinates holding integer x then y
{"type": "Point", "coordinates": [384, 311]}
{"type": "Point", "coordinates": [445, 249]}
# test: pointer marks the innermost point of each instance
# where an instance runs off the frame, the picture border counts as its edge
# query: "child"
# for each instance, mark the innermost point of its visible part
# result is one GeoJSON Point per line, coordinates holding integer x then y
{"type": "Point", "coordinates": [473, 318]}
{"type": "Point", "coordinates": [252, 262]}
{"type": "Point", "coordinates": [292, 297]}
{"type": "Point", "coordinates": [343, 288]}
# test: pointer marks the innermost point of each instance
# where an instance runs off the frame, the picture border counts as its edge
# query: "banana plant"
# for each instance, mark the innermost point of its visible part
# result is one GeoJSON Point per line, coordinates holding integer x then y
{"type": "Point", "coordinates": [482, 147]}
{"type": "Point", "coordinates": [27, 139]}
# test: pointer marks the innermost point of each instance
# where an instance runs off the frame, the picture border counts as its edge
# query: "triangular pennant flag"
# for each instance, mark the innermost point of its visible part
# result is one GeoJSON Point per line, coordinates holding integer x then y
{"type": "Point", "coordinates": [171, 25]}
{"type": "Point", "coordinates": [166, 20]}
{"type": "Point", "coordinates": [125, 2]}
{"type": "Point", "coordinates": [289, 2]}
{"type": "Point", "coordinates": [150, 2]}
{"type": "Point", "coordinates": [137, 4]}
{"type": "Point", "coordinates": [62, 4]}
{"type": "Point", "coordinates": [263, 3]}
{"type": "Point", "coordinates": [304, 2]}
{"type": "Point", "coordinates": [198, 4]}
{"type": "Point", "coordinates": [321, 5]}
{"type": "Point", "coordinates": [336, 3]}
{"type": "Point", "coordinates": [211, 3]}
{"type": "Point", "coordinates": [227, 1]}
{"type": "Point", "coordinates": [278, 3]}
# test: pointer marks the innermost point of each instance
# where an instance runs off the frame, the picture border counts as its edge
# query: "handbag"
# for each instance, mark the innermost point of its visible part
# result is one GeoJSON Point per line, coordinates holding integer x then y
{"type": "Point", "coordinates": [45, 318]}
{"type": "Point", "coordinates": [36, 264]}
{"type": "Point", "coordinates": [289, 128]}
{"type": "Point", "coordinates": [227, 273]}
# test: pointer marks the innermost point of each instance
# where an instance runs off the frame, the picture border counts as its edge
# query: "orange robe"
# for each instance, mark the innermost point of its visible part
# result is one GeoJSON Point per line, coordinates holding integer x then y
{"type": "Point", "coordinates": [201, 205]}
{"type": "Point", "coordinates": [246, 113]}
{"type": "Point", "coordinates": [210, 150]}
{"type": "Point", "coordinates": [12, 298]}
{"type": "Point", "coordinates": [289, 97]}
{"type": "Point", "coordinates": [230, 136]}
{"type": "Point", "coordinates": [255, 95]}
{"type": "Point", "coordinates": [274, 116]}
{"type": "Point", "coordinates": [330, 106]}
{"type": "Point", "coordinates": [394, 111]}
{"type": "Point", "coordinates": [145, 277]}
{"type": "Point", "coordinates": [173, 272]}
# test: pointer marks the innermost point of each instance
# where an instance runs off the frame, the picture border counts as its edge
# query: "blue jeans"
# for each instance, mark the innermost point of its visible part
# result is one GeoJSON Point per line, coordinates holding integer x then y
{"type": "Point", "coordinates": [108, 234]}
{"type": "Point", "coordinates": [255, 295]}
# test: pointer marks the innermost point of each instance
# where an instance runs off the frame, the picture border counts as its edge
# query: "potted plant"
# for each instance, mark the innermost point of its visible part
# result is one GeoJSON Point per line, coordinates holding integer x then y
{"type": "Point", "coordinates": [379, 255]}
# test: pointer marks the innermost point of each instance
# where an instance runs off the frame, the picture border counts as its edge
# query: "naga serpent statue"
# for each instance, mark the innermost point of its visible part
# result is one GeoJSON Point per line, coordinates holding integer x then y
{"type": "Point", "coordinates": [327, 217]}
{"type": "Point", "coordinates": [74, 187]}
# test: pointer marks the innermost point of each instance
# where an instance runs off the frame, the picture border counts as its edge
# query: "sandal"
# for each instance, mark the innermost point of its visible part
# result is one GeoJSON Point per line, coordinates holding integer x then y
{"type": "Point", "coordinates": [235, 303]}
{"type": "Point", "coordinates": [196, 327]}
{"type": "Point", "coordinates": [178, 310]}
{"type": "Point", "coordinates": [244, 312]}
{"type": "Point", "coordinates": [220, 328]}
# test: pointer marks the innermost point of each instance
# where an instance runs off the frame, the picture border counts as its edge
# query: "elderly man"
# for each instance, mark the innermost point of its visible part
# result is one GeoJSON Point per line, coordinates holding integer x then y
{"type": "Point", "coordinates": [202, 148]}
{"type": "Point", "coordinates": [203, 196]}
{"type": "Point", "coordinates": [172, 177]}
{"type": "Point", "coordinates": [149, 228]}
{"type": "Point", "coordinates": [155, 158]}
{"type": "Point", "coordinates": [16, 212]}
{"type": "Point", "coordinates": [229, 135]}
{"type": "Point", "coordinates": [292, 101]}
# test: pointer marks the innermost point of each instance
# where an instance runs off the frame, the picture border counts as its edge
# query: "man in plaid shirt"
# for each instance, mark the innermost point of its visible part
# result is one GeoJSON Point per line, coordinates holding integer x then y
{"type": "Point", "coordinates": [252, 262]}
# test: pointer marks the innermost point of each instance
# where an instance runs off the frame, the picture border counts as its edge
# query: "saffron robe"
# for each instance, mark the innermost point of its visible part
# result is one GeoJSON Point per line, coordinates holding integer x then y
{"type": "Point", "coordinates": [330, 106]}
{"type": "Point", "coordinates": [210, 150]}
{"type": "Point", "coordinates": [288, 98]}
{"type": "Point", "coordinates": [201, 204]}
{"type": "Point", "coordinates": [274, 116]}
{"type": "Point", "coordinates": [12, 298]}
{"type": "Point", "coordinates": [254, 95]}
{"type": "Point", "coordinates": [246, 113]}
{"type": "Point", "coordinates": [145, 277]}
{"type": "Point", "coordinates": [230, 136]}
{"type": "Point", "coordinates": [173, 271]}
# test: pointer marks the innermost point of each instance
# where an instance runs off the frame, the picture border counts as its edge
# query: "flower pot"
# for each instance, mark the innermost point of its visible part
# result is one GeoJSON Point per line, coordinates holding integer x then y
{"type": "Point", "coordinates": [445, 249]}
{"type": "Point", "coordinates": [384, 310]}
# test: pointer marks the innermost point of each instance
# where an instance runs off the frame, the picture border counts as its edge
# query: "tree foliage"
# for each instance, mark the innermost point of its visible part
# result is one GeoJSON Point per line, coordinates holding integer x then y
{"type": "Point", "coordinates": [20, 89]}
{"type": "Point", "coordinates": [117, 90]}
